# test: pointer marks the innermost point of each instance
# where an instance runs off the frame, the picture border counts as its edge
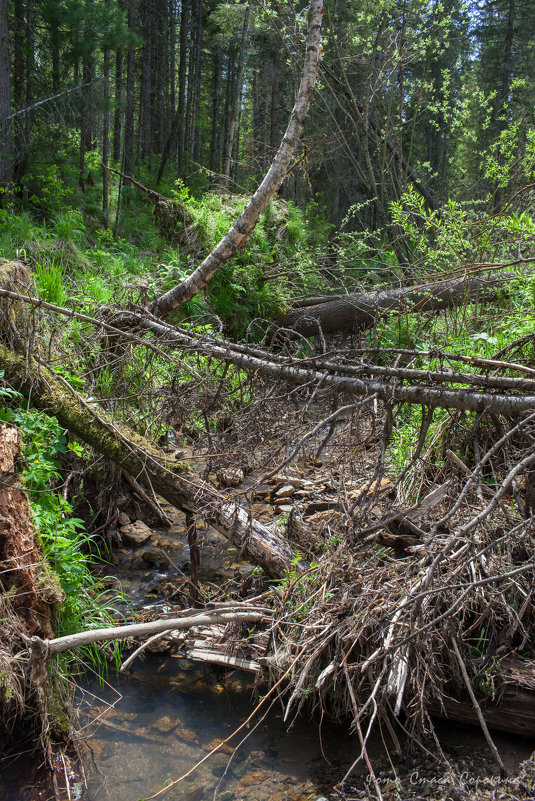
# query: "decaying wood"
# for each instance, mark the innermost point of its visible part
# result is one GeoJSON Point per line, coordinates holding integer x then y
{"type": "Point", "coordinates": [327, 372]}
{"type": "Point", "coordinates": [22, 572]}
{"type": "Point", "coordinates": [512, 712]}
{"type": "Point", "coordinates": [156, 510]}
{"type": "Point", "coordinates": [351, 312]}
{"type": "Point", "coordinates": [263, 363]}
{"type": "Point", "coordinates": [59, 645]}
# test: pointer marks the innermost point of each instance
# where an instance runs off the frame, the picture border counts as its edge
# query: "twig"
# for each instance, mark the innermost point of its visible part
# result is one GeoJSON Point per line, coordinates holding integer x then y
{"type": "Point", "coordinates": [479, 713]}
{"type": "Point", "coordinates": [154, 507]}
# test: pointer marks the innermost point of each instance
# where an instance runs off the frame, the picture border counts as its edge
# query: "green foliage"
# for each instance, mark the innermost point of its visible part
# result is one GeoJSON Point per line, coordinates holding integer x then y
{"type": "Point", "coordinates": [65, 542]}
{"type": "Point", "coordinates": [49, 281]}
{"type": "Point", "coordinates": [69, 226]}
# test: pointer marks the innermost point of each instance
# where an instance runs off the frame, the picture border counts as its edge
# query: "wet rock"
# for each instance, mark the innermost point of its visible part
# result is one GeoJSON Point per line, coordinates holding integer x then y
{"type": "Point", "coordinates": [123, 519]}
{"type": "Point", "coordinates": [165, 724]}
{"type": "Point", "coordinates": [283, 509]}
{"type": "Point", "coordinates": [136, 533]}
{"type": "Point", "coordinates": [223, 748]}
{"type": "Point", "coordinates": [153, 556]}
{"type": "Point", "coordinates": [252, 780]}
{"type": "Point", "coordinates": [285, 491]}
{"type": "Point", "coordinates": [230, 476]}
{"type": "Point", "coordinates": [187, 735]}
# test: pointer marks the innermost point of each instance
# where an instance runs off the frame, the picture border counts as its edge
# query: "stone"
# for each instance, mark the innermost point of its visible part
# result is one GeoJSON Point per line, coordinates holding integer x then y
{"type": "Point", "coordinates": [136, 533]}
{"type": "Point", "coordinates": [153, 556]}
{"type": "Point", "coordinates": [230, 476]}
{"type": "Point", "coordinates": [187, 735]}
{"type": "Point", "coordinates": [283, 509]}
{"type": "Point", "coordinates": [165, 724]}
{"type": "Point", "coordinates": [123, 519]}
{"type": "Point", "coordinates": [223, 748]}
{"type": "Point", "coordinates": [284, 492]}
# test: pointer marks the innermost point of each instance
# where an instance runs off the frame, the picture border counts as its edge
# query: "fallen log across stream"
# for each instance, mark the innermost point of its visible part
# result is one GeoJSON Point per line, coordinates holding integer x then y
{"type": "Point", "coordinates": [173, 480]}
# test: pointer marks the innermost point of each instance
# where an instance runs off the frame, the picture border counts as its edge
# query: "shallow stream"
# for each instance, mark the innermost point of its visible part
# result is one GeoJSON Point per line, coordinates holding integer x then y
{"type": "Point", "coordinates": [146, 730]}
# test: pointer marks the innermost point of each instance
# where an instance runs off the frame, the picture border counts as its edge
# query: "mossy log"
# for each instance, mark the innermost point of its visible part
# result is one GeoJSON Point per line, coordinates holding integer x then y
{"type": "Point", "coordinates": [173, 480]}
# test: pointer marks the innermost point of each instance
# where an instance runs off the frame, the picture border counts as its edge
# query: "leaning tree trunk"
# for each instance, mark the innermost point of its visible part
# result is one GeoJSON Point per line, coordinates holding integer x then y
{"type": "Point", "coordinates": [350, 312]}
{"type": "Point", "coordinates": [237, 235]}
{"type": "Point", "coordinates": [137, 456]}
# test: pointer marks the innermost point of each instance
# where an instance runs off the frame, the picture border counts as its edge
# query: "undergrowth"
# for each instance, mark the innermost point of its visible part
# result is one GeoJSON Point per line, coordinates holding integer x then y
{"type": "Point", "coordinates": [66, 545]}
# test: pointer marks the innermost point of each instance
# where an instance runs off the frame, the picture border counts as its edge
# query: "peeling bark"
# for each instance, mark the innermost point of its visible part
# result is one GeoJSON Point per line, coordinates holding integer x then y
{"type": "Point", "coordinates": [22, 573]}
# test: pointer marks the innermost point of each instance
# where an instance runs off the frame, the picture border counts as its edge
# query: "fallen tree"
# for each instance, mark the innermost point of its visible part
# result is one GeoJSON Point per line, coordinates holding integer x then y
{"type": "Point", "coordinates": [328, 372]}
{"type": "Point", "coordinates": [351, 312]}
{"type": "Point", "coordinates": [147, 463]}
{"type": "Point", "coordinates": [237, 235]}
{"type": "Point", "coordinates": [298, 372]}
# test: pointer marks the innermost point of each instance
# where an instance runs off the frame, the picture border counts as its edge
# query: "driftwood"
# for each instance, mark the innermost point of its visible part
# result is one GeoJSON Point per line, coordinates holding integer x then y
{"type": "Point", "coordinates": [173, 480]}
{"type": "Point", "coordinates": [218, 617]}
{"type": "Point", "coordinates": [351, 312]}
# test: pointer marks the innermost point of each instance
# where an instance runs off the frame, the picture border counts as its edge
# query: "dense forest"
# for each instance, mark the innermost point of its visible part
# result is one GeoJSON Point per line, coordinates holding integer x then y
{"type": "Point", "coordinates": [266, 277]}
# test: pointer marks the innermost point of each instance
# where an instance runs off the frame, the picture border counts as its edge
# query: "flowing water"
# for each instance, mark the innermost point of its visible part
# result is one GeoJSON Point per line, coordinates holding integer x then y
{"type": "Point", "coordinates": [146, 730]}
{"type": "Point", "coordinates": [171, 715]}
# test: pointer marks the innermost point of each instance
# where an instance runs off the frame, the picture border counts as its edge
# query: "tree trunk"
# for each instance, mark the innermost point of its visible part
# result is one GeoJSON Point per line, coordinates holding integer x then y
{"type": "Point", "coordinates": [351, 312]}
{"type": "Point", "coordinates": [6, 143]}
{"type": "Point", "coordinates": [118, 103]}
{"type": "Point", "coordinates": [172, 480]}
{"type": "Point", "coordinates": [145, 106]}
{"type": "Point", "coordinates": [216, 122]}
{"type": "Point", "coordinates": [128, 159]}
{"type": "Point", "coordinates": [237, 235]}
{"type": "Point", "coordinates": [195, 137]}
{"type": "Point", "coordinates": [106, 137]}
{"type": "Point", "coordinates": [236, 97]}
{"type": "Point", "coordinates": [21, 574]}
{"type": "Point", "coordinates": [331, 374]}
{"type": "Point", "coordinates": [182, 72]}
{"type": "Point", "coordinates": [275, 79]}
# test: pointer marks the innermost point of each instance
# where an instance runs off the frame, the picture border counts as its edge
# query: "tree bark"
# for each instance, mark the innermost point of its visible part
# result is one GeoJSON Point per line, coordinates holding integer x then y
{"type": "Point", "coordinates": [350, 312]}
{"type": "Point", "coordinates": [236, 98]}
{"type": "Point", "coordinates": [221, 617]}
{"type": "Point", "coordinates": [262, 363]}
{"type": "Point", "coordinates": [128, 146]}
{"type": "Point", "coordinates": [118, 103]}
{"type": "Point", "coordinates": [238, 233]}
{"type": "Point", "coordinates": [106, 137]}
{"type": "Point", "coordinates": [172, 480]}
{"type": "Point", "coordinates": [515, 710]}
{"type": "Point", "coordinates": [6, 142]}
{"type": "Point", "coordinates": [195, 135]}
{"type": "Point", "coordinates": [216, 102]}
{"type": "Point", "coordinates": [182, 73]}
